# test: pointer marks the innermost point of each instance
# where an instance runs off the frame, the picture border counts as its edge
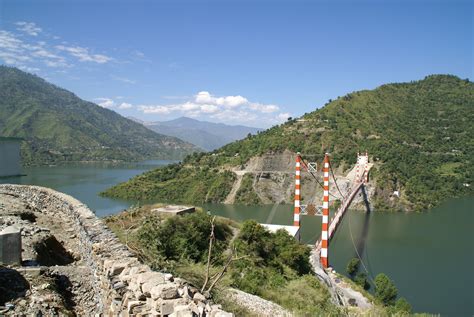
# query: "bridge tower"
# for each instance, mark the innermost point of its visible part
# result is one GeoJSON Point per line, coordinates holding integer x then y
{"type": "Point", "coordinates": [366, 167]}
{"type": "Point", "coordinates": [358, 167]}
{"type": "Point", "coordinates": [325, 222]}
{"type": "Point", "coordinates": [362, 167]}
{"type": "Point", "coordinates": [297, 210]}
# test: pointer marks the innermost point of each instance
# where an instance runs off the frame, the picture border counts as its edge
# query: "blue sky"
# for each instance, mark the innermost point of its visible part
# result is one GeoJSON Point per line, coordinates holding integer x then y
{"type": "Point", "coordinates": [237, 62]}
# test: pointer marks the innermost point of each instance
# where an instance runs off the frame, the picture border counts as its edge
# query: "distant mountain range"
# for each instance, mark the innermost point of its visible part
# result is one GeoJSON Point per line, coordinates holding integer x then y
{"type": "Point", "coordinates": [58, 126]}
{"type": "Point", "coordinates": [206, 135]}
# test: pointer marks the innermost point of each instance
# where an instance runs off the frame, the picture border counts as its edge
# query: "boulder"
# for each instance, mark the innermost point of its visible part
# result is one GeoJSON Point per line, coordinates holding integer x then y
{"type": "Point", "coordinates": [182, 311]}
{"type": "Point", "coordinates": [149, 277]}
{"type": "Point", "coordinates": [148, 285]}
{"type": "Point", "coordinates": [198, 297]}
{"type": "Point", "coordinates": [167, 307]}
{"type": "Point", "coordinates": [164, 291]}
{"type": "Point", "coordinates": [132, 305]}
{"type": "Point", "coordinates": [220, 313]}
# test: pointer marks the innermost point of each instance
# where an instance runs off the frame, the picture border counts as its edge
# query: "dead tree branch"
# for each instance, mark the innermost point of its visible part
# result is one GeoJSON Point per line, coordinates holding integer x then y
{"type": "Point", "coordinates": [211, 240]}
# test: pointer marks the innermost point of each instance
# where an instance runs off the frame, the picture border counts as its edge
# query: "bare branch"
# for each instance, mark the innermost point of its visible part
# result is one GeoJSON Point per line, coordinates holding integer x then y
{"type": "Point", "coordinates": [218, 276]}
{"type": "Point", "coordinates": [211, 239]}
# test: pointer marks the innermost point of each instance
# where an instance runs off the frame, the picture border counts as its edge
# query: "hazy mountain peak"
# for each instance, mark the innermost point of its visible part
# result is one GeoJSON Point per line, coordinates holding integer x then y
{"type": "Point", "coordinates": [207, 135]}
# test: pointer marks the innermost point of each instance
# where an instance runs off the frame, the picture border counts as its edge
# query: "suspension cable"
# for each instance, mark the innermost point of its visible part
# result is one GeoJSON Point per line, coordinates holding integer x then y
{"type": "Point", "coordinates": [311, 173]}
{"type": "Point", "coordinates": [357, 252]}
{"type": "Point", "coordinates": [335, 182]}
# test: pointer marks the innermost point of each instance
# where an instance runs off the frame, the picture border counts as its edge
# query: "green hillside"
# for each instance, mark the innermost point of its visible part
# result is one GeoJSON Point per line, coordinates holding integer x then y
{"type": "Point", "coordinates": [420, 134]}
{"type": "Point", "coordinates": [58, 126]}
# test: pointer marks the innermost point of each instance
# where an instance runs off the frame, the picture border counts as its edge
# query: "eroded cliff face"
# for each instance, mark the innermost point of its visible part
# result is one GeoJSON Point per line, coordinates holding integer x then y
{"type": "Point", "coordinates": [79, 267]}
{"type": "Point", "coordinates": [274, 181]}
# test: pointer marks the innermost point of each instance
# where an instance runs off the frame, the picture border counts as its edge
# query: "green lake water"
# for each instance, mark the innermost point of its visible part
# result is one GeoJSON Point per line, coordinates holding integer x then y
{"type": "Point", "coordinates": [429, 256]}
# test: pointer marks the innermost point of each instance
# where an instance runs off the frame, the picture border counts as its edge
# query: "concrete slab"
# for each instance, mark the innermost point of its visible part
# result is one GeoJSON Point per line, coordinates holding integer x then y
{"type": "Point", "coordinates": [10, 246]}
{"type": "Point", "coordinates": [293, 231]}
{"type": "Point", "coordinates": [175, 209]}
{"type": "Point", "coordinates": [31, 271]}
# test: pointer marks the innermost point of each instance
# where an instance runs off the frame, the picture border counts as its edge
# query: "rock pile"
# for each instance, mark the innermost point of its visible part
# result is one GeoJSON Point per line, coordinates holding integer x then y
{"type": "Point", "coordinates": [119, 284]}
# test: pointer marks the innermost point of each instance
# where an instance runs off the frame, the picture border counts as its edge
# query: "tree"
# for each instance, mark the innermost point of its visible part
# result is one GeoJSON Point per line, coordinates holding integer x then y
{"type": "Point", "coordinates": [361, 279]}
{"type": "Point", "coordinates": [402, 305]}
{"type": "Point", "coordinates": [385, 289]}
{"type": "Point", "coordinates": [353, 266]}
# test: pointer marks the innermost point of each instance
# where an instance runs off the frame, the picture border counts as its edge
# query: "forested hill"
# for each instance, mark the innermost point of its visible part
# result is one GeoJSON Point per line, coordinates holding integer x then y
{"type": "Point", "coordinates": [420, 134]}
{"type": "Point", "coordinates": [58, 126]}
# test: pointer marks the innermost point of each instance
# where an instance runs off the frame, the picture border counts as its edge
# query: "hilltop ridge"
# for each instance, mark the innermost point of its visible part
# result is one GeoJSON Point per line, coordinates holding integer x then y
{"type": "Point", "coordinates": [417, 133]}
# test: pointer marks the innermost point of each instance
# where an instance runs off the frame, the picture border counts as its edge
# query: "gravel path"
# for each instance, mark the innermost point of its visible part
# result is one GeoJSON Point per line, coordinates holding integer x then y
{"type": "Point", "coordinates": [257, 305]}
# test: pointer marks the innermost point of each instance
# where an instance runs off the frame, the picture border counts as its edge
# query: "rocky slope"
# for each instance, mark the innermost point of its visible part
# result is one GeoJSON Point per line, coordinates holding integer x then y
{"type": "Point", "coordinates": [73, 265]}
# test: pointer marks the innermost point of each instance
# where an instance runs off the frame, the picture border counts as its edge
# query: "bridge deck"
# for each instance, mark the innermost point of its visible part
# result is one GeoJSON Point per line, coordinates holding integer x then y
{"type": "Point", "coordinates": [336, 220]}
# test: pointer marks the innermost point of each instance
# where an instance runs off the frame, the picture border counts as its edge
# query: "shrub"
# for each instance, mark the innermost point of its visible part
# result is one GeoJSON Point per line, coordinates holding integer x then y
{"type": "Point", "coordinates": [184, 237]}
{"type": "Point", "coordinates": [385, 289]}
{"type": "Point", "coordinates": [402, 306]}
{"type": "Point", "coordinates": [353, 266]}
{"type": "Point", "coordinates": [361, 279]}
{"type": "Point", "coordinates": [304, 296]}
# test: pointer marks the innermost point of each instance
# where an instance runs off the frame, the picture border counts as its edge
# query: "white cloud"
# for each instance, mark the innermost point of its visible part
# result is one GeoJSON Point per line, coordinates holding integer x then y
{"type": "Point", "coordinates": [14, 51]}
{"type": "Point", "coordinates": [27, 46]}
{"type": "Point", "coordinates": [44, 53]}
{"type": "Point", "coordinates": [110, 103]}
{"type": "Point", "coordinates": [283, 116]}
{"type": "Point", "coordinates": [124, 80]}
{"type": "Point", "coordinates": [83, 55]}
{"type": "Point", "coordinates": [209, 108]}
{"type": "Point", "coordinates": [155, 109]}
{"type": "Point", "coordinates": [29, 69]}
{"type": "Point", "coordinates": [29, 28]}
{"type": "Point", "coordinates": [228, 101]}
{"type": "Point", "coordinates": [263, 108]}
{"type": "Point", "coordinates": [125, 105]}
{"type": "Point", "coordinates": [139, 54]}
{"type": "Point", "coordinates": [228, 109]}
{"type": "Point", "coordinates": [9, 42]}
{"type": "Point", "coordinates": [203, 97]}
{"type": "Point", "coordinates": [105, 102]}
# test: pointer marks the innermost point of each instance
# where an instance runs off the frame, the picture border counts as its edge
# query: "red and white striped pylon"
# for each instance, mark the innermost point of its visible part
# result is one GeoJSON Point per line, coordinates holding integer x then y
{"type": "Point", "coordinates": [325, 224]}
{"type": "Point", "coordinates": [296, 214]}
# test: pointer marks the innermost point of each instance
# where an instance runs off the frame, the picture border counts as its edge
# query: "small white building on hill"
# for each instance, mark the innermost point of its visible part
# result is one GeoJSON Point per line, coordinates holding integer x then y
{"type": "Point", "coordinates": [10, 159]}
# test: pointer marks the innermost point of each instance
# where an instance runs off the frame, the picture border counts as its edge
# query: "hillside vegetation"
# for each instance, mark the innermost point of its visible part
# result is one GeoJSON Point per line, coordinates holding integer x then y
{"type": "Point", "coordinates": [418, 133]}
{"type": "Point", "coordinates": [271, 265]}
{"type": "Point", "coordinates": [58, 126]}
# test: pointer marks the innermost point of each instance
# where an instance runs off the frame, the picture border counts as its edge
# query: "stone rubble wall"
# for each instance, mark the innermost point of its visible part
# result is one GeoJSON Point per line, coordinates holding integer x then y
{"type": "Point", "coordinates": [123, 286]}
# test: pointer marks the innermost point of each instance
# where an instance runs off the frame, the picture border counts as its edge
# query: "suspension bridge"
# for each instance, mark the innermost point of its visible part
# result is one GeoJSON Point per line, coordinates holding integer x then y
{"type": "Point", "coordinates": [329, 226]}
{"type": "Point", "coordinates": [341, 292]}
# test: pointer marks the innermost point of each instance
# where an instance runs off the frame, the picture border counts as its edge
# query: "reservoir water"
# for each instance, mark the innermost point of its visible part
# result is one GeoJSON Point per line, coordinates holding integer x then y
{"type": "Point", "coordinates": [429, 256]}
{"type": "Point", "coordinates": [85, 181]}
